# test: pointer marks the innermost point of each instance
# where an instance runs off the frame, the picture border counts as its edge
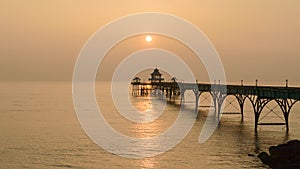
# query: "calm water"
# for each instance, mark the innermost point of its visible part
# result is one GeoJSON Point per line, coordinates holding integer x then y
{"type": "Point", "coordinates": [39, 129]}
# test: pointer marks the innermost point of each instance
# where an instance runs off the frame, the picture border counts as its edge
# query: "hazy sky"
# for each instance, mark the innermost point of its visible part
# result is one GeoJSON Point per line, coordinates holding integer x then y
{"type": "Point", "coordinates": [40, 40]}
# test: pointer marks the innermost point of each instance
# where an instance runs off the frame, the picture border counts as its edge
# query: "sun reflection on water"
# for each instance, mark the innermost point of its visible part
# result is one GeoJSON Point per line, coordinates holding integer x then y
{"type": "Point", "coordinates": [147, 163]}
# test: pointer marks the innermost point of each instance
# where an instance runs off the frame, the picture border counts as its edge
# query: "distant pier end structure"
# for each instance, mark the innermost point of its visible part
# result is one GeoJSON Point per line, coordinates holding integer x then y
{"type": "Point", "coordinates": [156, 76]}
{"type": "Point", "coordinates": [136, 86]}
{"type": "Point", "coordinates": [259, 96]}
{"type": "Point", "coordinates": [144, 88]}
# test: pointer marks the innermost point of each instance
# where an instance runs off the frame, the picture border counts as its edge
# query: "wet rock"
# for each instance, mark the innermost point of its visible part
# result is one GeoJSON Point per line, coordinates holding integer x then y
{"type": "Point", "coordinates": [251, 155]}
{"type": "Point", "coordinates": [265, 158]}
{"type": "Point", "coordinates": [283, 156]}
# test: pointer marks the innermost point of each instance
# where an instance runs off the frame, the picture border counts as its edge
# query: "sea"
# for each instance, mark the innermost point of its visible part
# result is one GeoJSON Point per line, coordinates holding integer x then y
{"type": "Point", "coordinates": [39, 129]}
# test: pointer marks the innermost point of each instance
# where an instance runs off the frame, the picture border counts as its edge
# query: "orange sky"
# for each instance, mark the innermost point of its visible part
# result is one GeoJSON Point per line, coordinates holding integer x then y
{"type": "Point", "coordinates": [40, 40]}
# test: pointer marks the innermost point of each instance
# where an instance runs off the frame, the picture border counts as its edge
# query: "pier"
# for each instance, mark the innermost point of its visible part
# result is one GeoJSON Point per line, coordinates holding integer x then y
{"type": "Point", "coordinates": [259, 96]}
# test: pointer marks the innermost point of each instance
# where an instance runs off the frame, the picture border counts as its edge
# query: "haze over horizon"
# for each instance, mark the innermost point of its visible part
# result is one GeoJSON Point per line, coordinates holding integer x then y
{"type": "Point", "coordinates": [41, 40]}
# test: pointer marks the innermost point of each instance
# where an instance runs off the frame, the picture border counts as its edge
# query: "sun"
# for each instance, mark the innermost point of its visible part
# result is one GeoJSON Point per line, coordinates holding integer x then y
{"type": "Point", "coordinates": [148, 38]}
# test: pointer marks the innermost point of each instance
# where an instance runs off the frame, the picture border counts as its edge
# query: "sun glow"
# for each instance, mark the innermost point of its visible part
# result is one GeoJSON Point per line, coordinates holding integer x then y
{"type": "Point", "coordinates": [148, 38]}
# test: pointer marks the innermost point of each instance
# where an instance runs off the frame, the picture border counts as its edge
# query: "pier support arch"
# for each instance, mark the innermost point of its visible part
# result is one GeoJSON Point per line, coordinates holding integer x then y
{"type": "Point", "coordinates": [241, 100]}
{"type": "Point", "coordinates": [197, 96]}
{"type": "Point", "coordinates": [218, 99]}
{"type": "Point", "coordinates": [182, 99]}
{"type": "Point", "coordinates": [286, 106]}
{"type": "Point", "coordinates": [258, 104]}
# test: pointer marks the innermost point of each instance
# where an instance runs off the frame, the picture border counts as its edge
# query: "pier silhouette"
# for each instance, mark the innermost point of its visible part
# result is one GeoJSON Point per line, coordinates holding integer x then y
{"type": "Point", "coordinates": [259, 96]}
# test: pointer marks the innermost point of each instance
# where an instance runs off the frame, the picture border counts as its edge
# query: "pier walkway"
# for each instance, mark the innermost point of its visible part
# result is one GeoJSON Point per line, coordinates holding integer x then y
{"type": "Point", "coordinates": [259, 96]}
